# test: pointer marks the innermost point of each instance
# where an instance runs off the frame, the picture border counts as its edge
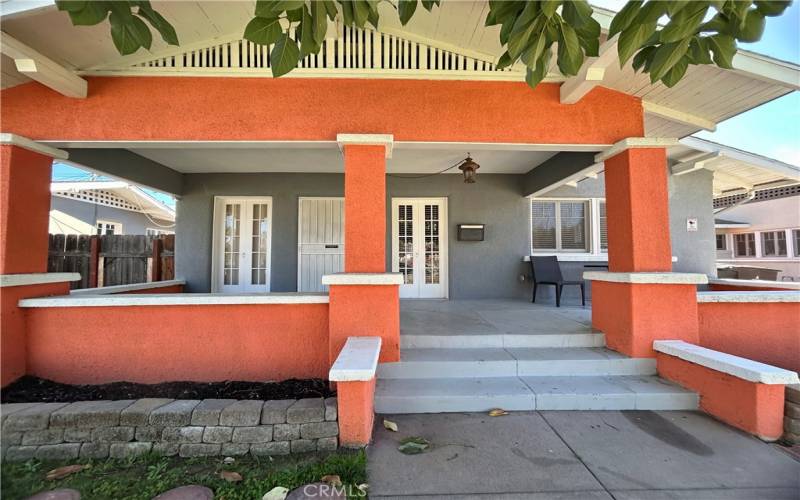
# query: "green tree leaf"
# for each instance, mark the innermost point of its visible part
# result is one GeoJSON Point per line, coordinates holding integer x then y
{"type": "Point", "coordinates": [534, 51]}
{"type": "Point", "coordinates": [753, 27]}
{"type": "Point", "coordinates": [263, 31]}
{"type": "Point", "coordinates": [675, 74]}
{"type": "Point", "coordinates": [666, 56]}
{"type": "Point", "coordinates": [772, 8]}
{"type": "Point", "coordinates": [623, 19]}
{"type": "Point", "coordinates": [724, 48]}
{"type": "Point", "coordinates": [330, 8]}
{"type": "Point", "coordinates": [644, 58]}
{"type": "Point", "coordinates": [284, 56]}
{"type": "Point", "coordinates": [548, 7]}
{"type": "Point", "coordinates": [70, 5]}
{"type": "Point", "coordinates": [504, 61]}
{"type": "Point", "coordinates": [699, 52]}
{"type": "Point", "coordinates": [685, 23]}
{"type": "Point", "coordinates": [308, 44]}
{"type": "Point", "coordinates": [570, 55]}
{"type": "Point", "coordinates": [406, 9]}
{"type": "Point", "coordinates": [361, 12]}
{"type": "Point", "coordinates": [429, 4]}
{"type": "Point", "coordinates": [632, 40]}
{"type": "Point", "coordinates": [129, 34]}
{"type": "Point", "coordinates": [534, 76]}
{"type": "Point", "coordinates": [319, 14]}
{"type": "Point", "coordinates": [92, 13]}
{"type": "Point", "coordinates": [577, 13]}
{"type": "Point", "coordinates": [164, 28]}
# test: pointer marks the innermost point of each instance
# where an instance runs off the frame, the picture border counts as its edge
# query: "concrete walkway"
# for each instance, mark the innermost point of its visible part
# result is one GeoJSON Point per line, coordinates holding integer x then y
{"type": "Point", "coordinates": [578, 455]}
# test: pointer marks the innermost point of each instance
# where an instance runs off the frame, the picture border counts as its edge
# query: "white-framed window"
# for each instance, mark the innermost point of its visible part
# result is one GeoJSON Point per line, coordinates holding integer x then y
{"type": "Point", "coordinates": [569, 226]}
{"type": "Point", "coordinates": [151, 231]}
{"type": "Point", "coordinates": [722, 242]}
{"type": "Point", "coordinates": [773, 243]}
{"type": "Point", "coordinates": [108, 227]}
{"type": "Point", "coordinates": [796, 240]}
{"type": "Point", "coordinates": [744, 244]}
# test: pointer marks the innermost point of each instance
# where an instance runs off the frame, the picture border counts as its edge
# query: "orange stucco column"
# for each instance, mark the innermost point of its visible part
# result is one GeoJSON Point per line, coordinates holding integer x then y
{"type": "Point", "coordinates": [640, 300]}
{"type": "Point", "coordinates": [637, 210]}
{"type": "Point", "coordinates": [355, 400]}
{"type": "Point", "coordinates": [24, 209]}
{"type": "Point", "coordinates": [364, 208]}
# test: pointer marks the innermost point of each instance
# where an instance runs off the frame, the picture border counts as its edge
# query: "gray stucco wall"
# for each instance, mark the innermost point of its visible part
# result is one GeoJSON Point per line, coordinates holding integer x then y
{"type": "Point", "coordinates": [132, 222]}
{"type": "Point", "coordinates": [691, 196]}
{"type": "Point", "coordinates": [124, 164]}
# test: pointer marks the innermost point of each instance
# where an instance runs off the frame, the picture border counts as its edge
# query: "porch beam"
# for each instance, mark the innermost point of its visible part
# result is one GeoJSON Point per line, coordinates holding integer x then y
{"type": "Point", "coordinates": [635, 143]}
{"type": "Point", "coordinates": [129, 167]}
{"type": "Point", "coordinates": [694, 164]}
{"type": "Point", "coordinates": [590, 75]}
{"type": "Point", "coordinates": [561, 168]}
{"type": "Point", "coordinates": [677, 116]}
{"type": "Point", "coordinates": [733, 179]}
{"type": "Point", "coordinates": [43, 69]}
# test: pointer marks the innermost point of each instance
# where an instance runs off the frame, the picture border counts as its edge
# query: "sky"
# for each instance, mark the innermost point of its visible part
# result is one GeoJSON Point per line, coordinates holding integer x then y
{"type": "Point", "coordinates": [772, 129]}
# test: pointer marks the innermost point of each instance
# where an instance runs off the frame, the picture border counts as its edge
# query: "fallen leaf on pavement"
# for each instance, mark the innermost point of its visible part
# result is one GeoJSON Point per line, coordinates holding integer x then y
{"type": "Point", "coordinates": [413, 445]}
{"type": "Point", "coordinates": [230, 476]}
{"type": "Point", "coordinates": [65, 471]}
{"type": "Point", "coordinates": [331, 479]}
{"type": "Point", "coordinates": [390, 425]}
{"type": "Point", "coordinates": [497, 412]}
{"type": "Point", "coordinates": [276, 493]}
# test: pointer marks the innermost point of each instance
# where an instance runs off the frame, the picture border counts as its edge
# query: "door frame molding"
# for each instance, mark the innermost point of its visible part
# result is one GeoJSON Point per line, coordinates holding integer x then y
{"type": "Point", "coordinates": [444, 229]}
{"type": "Point", "coordinates": [300, 200]}
{"type": "Point", "coordinates": [217, 242]}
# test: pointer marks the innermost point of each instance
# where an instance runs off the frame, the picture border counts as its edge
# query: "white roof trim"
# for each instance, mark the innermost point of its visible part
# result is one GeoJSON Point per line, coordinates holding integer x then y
{"type": "Point", "coordinates": [776, 166]}
{"type": "Point", "coordinates": [160, 210]}
{"type": "Point", "coordinates": [635, 143]}
{"type": "Point", "coordinates": [742, 368]}
{"type": "Point", "coordinates": [385, 140]}
{"type": "Point", "coordinates": [357, 361]}
{"type": "Point", "coordinates": [24, 142]}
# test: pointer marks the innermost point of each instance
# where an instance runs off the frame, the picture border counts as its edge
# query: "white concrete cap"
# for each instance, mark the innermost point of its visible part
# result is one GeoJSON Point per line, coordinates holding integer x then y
{"type": "Point", "coordinates": [742, 368]}
{"type": "Point", "coordinates": [175, 299]}
{"type": "Point", "coordinates": [357, 361]}
{"type": "Point", "coordinates": [24, 142]}
{"type": "Point", "coordinates": [363, 279]}
{"type": "Point", "coordinates": [749, 296]}
{"type": "Point", "coordinates": [386, 140]}
{"type": "Point", "coordinates": [788, 285]}
{"type": "Point", "coordinates": [109, 290]}
{"type": "Point", "coordinates": [36, 278]}
{"type": "Point", "coordinates": [633, 143]}
{"type": "Point", "coordinates": [662, 278]}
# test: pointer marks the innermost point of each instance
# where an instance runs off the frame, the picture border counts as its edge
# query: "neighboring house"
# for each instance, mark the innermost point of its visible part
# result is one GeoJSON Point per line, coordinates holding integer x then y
{"type": "Point", "coordinates": [758, 235]}
{"type": "Point", "coordinates": [107, 207]}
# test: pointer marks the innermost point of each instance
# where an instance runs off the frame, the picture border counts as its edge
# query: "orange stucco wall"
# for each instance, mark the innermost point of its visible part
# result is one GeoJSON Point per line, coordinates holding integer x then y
{"type": "Point", "coordinates": [365, 206]}
{"type": "Point", "coordinates": [768, 332]}
{"type": "Point", "coordinates": [632, 316]}
{"type": "Point", "coordinates": [365, 310]}
{"type": "Point", "coordinates": [161, 343]}
{"type": "Point", "coordinates": [12, 326]}
{"type": "Point", "coordinates": [637, 204]}
{"type": "Point", "coordinates": [754, 408]}
{"type": "Point", "coordinates": [355, 402]}
{"type": "Point", "coordinates": [165, 289]}
{"type": "Point", "coordinates": [166, 108]}
{"type": "Point", "coordinates": [24, 210]}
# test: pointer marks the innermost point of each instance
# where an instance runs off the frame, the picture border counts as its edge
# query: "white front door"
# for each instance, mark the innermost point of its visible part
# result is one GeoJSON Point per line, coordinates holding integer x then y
{"type": "Point", "coordinates": [419, 246]}
{"type": "Point", "coordinates": [242, 244]}
{"type": "Point", "coordinates": [320, 242]}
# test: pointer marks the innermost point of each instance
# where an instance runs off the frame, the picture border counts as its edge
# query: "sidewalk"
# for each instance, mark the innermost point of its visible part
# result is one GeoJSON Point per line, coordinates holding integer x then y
{"type": "Point", "coordinates": [578, 455]}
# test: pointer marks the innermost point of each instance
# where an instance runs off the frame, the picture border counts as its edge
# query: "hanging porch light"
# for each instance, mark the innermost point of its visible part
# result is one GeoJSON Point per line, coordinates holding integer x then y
{"type": "Point", "coordinates": [469, 167]}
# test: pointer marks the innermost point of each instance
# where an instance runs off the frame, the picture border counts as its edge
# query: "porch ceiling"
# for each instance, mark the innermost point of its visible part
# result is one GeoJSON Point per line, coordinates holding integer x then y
{"type": "Point", "coordinates": [328, 159]}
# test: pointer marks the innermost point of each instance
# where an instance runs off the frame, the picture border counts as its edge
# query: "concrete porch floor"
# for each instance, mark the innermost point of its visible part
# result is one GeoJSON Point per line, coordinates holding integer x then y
{"type": "Point", "coordinates": [649, 455]}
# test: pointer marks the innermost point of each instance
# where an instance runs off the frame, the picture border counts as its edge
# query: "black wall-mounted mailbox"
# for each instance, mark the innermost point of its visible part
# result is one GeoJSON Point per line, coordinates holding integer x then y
{"type": "Point", "coordinates": [471, 232]}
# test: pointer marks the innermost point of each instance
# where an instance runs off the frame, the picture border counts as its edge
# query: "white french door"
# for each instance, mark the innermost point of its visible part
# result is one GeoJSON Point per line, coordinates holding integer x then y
{"type": "Point", "coordinates": [242, 244]}
{"type": "Point", "coordinates": [419, 246]}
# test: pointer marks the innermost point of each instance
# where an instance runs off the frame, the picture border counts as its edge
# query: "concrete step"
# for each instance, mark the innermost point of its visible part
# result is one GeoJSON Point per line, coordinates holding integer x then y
{"type": "Point", "coordinates": [511, 362]}
{"type": "Point", "coordinates": [471, 341]}
{"type": "Point", "coordinates": [447, 395]}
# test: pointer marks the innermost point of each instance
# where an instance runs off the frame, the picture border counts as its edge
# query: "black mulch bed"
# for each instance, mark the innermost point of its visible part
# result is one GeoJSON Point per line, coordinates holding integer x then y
{"type": "Point", "coordinates": [36, 390]}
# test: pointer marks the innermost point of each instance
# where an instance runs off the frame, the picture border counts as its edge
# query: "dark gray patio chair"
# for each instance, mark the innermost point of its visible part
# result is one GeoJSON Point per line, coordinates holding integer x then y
{"type": "Point", "coordinates": [546, 271]}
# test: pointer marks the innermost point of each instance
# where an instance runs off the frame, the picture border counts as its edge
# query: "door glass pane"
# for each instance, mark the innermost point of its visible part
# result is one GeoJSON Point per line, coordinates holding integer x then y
{"type": "Point", "coordinates": [232, 236]}
{"type": "Point", "coordinates": [258, 258]}
{"type": "Point", "coordinates": [543, 221]}
{"type": "Point", "coordinates": [573, 225]}
{"type": "Point", "coordinates": [405, 240]}
{"type": "Point", "coordinates": [432, 244]}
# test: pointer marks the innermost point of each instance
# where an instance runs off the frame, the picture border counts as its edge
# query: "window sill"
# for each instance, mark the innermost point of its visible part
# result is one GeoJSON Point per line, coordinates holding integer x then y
{"type": "Point", "coordinates": [571, 257]}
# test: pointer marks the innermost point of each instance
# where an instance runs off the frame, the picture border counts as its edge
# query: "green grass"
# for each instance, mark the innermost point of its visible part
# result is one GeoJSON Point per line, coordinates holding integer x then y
{"type": "Point", "coordinates": [147, 476]}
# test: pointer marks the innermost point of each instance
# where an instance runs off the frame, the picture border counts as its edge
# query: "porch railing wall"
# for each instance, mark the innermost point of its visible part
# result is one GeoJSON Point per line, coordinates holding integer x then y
{"type": "Point", "coordinates": [112, 259]}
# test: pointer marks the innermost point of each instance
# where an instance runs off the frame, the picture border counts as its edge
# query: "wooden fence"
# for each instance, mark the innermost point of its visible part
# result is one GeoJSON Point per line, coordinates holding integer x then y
{"type": "Point", "coordinates": [112, 259]}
